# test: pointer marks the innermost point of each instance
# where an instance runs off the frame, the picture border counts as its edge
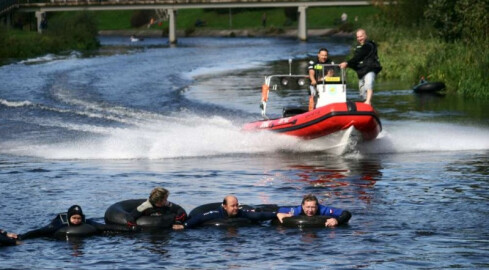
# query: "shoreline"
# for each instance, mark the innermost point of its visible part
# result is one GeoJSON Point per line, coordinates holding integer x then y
{"type": "Point", "coordinates": [268, 32]}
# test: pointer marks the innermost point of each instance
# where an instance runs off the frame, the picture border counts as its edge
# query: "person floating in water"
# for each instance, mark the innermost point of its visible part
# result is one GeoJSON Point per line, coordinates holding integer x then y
{"type": "Point", "coordinates": [229, 210]}
{"type": "Point", "coordinates": [310, 207]}
{"type": "Point", "coordinates": [73, 219]}
{"type": "Point", "coordinates": [8, 238]}
{"type": "Point", "coordinates": [157, 205]}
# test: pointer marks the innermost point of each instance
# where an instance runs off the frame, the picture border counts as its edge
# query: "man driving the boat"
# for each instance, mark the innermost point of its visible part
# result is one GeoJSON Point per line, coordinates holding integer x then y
{"type": "Point", "coordinates": [315, 70]}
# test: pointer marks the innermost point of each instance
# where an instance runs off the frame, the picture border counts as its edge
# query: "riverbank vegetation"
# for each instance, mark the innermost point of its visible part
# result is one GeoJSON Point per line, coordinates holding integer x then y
{"type": "Point", "coordinates": [67, 32]}
{"type": "Point", "coordinates": [219, 19]}
{"type": "Point", "coordinates": [443, 40]}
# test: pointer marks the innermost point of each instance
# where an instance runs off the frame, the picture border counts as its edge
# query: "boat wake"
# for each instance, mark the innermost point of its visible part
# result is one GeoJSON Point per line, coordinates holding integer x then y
{"type": "Point", "coordinates": [409, 136]}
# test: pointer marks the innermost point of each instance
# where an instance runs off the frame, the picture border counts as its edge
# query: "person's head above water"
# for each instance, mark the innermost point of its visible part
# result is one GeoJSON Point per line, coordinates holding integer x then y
{"type": "Point", "coordinates": [310, 205]}
{"type": "Point", "coordinates": [158, 196]}
{"type": "Point", "coordinates": [230, 205]}
{"type": "Point", "coordinates": [75, 215]}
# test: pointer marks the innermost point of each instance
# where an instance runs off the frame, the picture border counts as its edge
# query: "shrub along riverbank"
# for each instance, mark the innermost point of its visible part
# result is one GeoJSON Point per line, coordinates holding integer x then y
{"type": "Point", "coordinates": [444, 40]}
{"type": "Point", "coordinates": [67, 32]}
{"type": "Point", "coordinates": [408, 53]}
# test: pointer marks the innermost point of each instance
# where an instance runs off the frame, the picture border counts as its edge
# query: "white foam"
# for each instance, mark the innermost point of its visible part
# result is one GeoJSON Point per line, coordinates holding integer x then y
{"type": "Point", "coordinates": [193, 137]}
{"type": "Point", "coordinates": [196, 136]}
{"type": "Point", "coordinates": [409, 136]}
{"type": "Point", "coordinates": [15, 103]}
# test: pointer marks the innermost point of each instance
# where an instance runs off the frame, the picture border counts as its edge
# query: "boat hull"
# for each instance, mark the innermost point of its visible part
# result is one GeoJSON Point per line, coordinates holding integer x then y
{"type": "Point", "coordinates": [324, 121]}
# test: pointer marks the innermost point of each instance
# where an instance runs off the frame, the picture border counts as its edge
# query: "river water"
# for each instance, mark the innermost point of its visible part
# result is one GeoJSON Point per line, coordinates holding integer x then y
{"type": "Point", "coordinates": [111, 126]}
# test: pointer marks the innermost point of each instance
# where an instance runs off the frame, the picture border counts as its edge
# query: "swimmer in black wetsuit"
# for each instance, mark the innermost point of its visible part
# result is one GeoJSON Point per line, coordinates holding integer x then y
{"type": "Point", "coordinates": [157, 205]}
{"type": "Point", "coordinates": [230, 209]}
{"type": "Point", "coordinates": [8, 239]}
{"type": "Point", "coordinates": [73, 218]}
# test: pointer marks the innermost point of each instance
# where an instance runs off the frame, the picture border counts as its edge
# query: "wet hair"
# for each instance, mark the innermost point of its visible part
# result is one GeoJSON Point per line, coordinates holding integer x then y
{"type": "Point", "coordinates": [308, 198]}
{"type": "Point", "coordinates": [323, 49]}
{"type": "Point", "coordinates": [158, 194]}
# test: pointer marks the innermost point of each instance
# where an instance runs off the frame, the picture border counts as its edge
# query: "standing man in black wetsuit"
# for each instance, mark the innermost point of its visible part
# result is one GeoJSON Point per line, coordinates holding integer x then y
{"type": "Point", "coordinates": [366, 63]}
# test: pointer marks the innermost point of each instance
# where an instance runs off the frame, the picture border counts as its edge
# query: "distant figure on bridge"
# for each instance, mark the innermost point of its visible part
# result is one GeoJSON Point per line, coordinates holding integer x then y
{"type": "Point", "coordinates": [199, 23]}
{"type": "Point", "coordinates": [344, 17]}
{"type": "Point", "coordinates": [264, 19]}
{"type": "Point", "coordinates": [44, 22]}
{"type": "Point", "coordinates": [151, 22]}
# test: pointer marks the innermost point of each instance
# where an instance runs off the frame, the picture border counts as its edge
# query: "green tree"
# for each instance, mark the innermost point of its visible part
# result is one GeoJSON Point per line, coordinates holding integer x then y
{"type": "Point", "coordinates": [76, 30]}
{"type": "Point", "coordinates": [404, 12]}
{"type": "Point", "coordinates": [459, 19]}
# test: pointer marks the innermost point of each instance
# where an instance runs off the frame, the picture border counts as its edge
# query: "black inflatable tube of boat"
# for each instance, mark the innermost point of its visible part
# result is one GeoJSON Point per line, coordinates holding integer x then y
{"type": "Point", "coordinates": [429, 87]}
{"type": "Point", "coordinates": [75, 231]}
{"type": "Point", "coordinates": [117, 213]}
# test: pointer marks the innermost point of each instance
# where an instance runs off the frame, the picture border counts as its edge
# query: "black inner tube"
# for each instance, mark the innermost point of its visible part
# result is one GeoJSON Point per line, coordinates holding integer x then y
{"type": "Point", "coordinates": [303, 222]}
{"type": "Point", "coordinates": [429, 87]}
{"type": "Point", "coordinates": [75, 231]}
{"type": "Point", "coordinates": [117, 214]}
{"type": "Point", "coordinates": [231, 222]}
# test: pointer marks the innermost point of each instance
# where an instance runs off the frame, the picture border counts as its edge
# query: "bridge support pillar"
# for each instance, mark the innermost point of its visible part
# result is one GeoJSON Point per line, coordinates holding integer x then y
{"type": "Point", "coordinates": [302, 25]}
{"type": "Point", "coordinates": [40, 16]}
{"type": "Point", "coordinates": [172, 25]}
{"type": "Point", "coordinates": [7, 21]}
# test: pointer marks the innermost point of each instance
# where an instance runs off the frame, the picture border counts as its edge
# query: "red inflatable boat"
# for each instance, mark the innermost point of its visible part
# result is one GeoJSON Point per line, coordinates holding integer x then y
{"type": "Point", "coordinates": [324, 121]}
{"type": "Point", "coordinates": [331, 113]}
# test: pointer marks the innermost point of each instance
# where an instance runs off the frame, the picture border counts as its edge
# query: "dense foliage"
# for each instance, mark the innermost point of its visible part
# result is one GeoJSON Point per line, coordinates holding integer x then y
{"type": "Point", "coordinates": [445, 40]}
{"type": "Point", "coordinates": [73, 31]}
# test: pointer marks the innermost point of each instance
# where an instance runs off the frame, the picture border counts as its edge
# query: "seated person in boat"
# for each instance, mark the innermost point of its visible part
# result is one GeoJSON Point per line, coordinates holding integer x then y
{"type": "Point", "coordinates": [329, 73]}
{"type": "Point", "coordinates": [157, 205]}
{"type": "Point", "coordinates": [310, 207]}
{"type": "Point", "coordinates": [8, 239]}
{"type": "Point", "coordinates": [229, 210]}
{"type": "Point", "coordinates": [74, 219]}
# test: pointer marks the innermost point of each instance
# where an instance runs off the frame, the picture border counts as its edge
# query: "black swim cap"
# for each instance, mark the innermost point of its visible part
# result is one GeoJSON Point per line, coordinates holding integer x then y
{"type": "Point", "coordinates": [75, 210]}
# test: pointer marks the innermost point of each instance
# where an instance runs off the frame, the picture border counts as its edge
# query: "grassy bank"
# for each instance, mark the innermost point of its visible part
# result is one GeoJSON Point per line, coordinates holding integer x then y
{"type": "Point", "coordinates": [408, 53]}
{"type": "Point", "coordinates": [66, 32]}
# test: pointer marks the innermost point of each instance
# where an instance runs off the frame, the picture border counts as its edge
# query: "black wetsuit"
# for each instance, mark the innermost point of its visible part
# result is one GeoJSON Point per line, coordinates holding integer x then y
{"type": "Point", "coordinates": [169, 208]}
{"type": "Point", "coordinates": [318, 69]}
{"type": "Point", "coordinates": [5, 240]}
{"type": "Point", "coordinates": [365, 59]}
{"type": "Point", "coordinates": [220, 213]}
{"type": "Point", "coordinates": [61, 220]}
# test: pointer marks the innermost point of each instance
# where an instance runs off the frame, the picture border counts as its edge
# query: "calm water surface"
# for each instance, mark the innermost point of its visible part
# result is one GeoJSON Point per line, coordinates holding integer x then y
{"type": "Point", "coordinates": [109, 127]}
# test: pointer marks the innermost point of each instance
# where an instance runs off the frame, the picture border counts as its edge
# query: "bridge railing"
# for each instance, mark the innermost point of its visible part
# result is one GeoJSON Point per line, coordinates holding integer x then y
{"type": "Point", "coordinates": [139, 2]}
{"type": "Point", "coordinates": [7, 5]}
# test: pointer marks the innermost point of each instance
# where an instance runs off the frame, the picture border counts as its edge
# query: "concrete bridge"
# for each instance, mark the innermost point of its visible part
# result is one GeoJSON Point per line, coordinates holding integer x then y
{"type": "Point", "coordinates": [40, 7]}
